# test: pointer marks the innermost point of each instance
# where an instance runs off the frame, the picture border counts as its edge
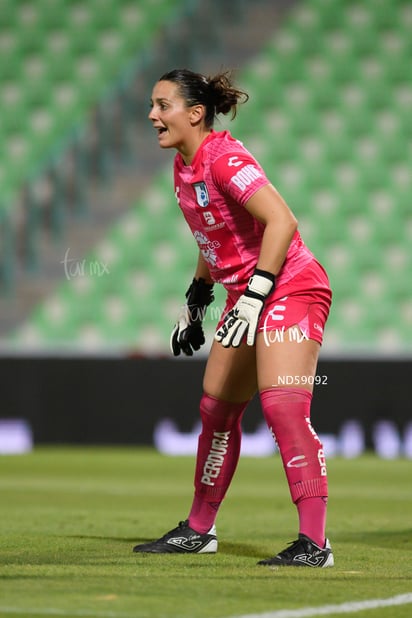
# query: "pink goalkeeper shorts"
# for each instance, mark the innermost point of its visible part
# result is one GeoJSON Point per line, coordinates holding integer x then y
{"type": "Point", "coordinates": [304, 302]}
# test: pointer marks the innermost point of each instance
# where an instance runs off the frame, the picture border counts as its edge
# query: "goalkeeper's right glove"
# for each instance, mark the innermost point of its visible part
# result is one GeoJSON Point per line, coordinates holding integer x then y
{"type": "Point", "coordinates": [244, 317]}
{"type": "Point", "coordinates": [187, 334]}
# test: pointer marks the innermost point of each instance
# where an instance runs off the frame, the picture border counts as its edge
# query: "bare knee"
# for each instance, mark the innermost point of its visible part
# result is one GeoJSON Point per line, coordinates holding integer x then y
{"type": "Point", "coordinates": [231, 373]}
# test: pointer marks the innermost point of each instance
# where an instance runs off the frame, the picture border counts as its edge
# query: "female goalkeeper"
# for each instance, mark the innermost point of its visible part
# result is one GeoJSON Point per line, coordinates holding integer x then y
{"type": "Point", "coordinates": [278, 300]}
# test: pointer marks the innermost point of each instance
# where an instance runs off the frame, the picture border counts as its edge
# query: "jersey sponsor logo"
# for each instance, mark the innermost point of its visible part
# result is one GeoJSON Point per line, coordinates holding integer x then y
{"type": "Point", "coordinates": [218, 226]}
{"type": "Point", "coordinates": [211, 222]}
{"type": "Point", "coordinates": [244, 177]}
{"type": "Point", "coordinates": [234, 162]}
{"type": "Point", "coordinates": [207, 247]}
{"type": "Point", "coordinates": [202, 194]}
{"type": "Point", "coordinates": [177, 195]}
{"type": "Point", "coordinates": [209, 218]}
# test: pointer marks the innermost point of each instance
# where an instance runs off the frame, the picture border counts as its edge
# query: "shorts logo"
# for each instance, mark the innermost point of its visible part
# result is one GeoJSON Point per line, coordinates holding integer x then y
{"type": "Point", "coordinates": [277, 313]}
{"type": "Point", "coordinates": [202, 194]}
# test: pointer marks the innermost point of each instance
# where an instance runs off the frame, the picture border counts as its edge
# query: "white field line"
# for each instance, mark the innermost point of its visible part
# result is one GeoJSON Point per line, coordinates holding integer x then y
{"type": "Point", "coordinates": [327, 610]}
{"type": "Point", "coordinates": [305, 612]}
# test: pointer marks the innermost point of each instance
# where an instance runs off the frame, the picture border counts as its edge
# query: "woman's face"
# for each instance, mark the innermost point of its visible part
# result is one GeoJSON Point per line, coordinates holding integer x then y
{"type": "Point", "coordinates": [170, 116]}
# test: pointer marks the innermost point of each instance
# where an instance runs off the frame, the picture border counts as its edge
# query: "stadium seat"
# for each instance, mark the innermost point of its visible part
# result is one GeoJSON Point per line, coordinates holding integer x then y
{"type": "Point", "coordinates": [74, 48]}
{"type": "Point", "coordinates": [329, 119]}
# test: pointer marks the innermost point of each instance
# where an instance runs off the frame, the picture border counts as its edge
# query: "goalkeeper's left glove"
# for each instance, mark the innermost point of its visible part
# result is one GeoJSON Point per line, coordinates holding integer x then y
{"type": "Point", "coordinates": [187, 335]}
{"type": "Point", "coordinates": [244, 316]}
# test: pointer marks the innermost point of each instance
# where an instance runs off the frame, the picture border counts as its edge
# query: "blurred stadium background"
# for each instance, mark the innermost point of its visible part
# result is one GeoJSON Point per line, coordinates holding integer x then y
{"type": "Point", "coordinates": [95, 256]}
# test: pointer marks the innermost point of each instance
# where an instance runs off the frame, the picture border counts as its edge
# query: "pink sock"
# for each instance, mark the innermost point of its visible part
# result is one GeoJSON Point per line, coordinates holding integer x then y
{"type": "Point", "coordinates": [287, 413]}
{"type": "Point", "coordinates": [217, 457]}
{"type": "Point", "coordinates": [312, 518]}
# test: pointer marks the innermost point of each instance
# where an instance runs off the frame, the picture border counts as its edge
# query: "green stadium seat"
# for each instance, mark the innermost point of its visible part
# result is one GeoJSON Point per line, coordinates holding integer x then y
{"type": "Point", "coordinates": [329, 119]}
{"type": "Point", "coordinates": [53, 13]}
{"type": "Point", "coordinates": [81, 44]}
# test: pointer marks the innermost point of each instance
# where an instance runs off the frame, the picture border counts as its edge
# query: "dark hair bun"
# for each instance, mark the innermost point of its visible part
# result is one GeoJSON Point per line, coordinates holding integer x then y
{"type": "Point", "coordinates": [224, 95]}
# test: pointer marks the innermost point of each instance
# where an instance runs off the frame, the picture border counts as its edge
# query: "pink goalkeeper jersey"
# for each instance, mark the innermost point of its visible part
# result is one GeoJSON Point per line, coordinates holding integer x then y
{"type": "Point", "coordinates": [212, 193]}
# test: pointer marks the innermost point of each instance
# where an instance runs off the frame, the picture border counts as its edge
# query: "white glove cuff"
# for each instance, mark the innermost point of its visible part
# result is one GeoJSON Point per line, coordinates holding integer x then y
{"type": "Point", "coordinates": [260, 285]}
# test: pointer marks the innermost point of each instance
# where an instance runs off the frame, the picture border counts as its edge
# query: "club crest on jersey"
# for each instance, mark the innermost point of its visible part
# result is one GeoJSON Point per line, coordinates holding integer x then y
{"type": "Point", "coordinates": [202, 194]}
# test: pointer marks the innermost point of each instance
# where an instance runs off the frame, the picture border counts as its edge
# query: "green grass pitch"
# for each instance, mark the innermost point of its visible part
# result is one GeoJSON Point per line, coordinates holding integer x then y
{"type": "Point", "coordinates": [69, 518]}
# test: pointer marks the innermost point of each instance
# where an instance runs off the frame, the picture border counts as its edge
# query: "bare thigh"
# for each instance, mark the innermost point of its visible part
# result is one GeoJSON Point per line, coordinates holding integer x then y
{"type": "Point", "coordinates": [231, 373]}
{"type": "Point", "coordinates": [287, 363]}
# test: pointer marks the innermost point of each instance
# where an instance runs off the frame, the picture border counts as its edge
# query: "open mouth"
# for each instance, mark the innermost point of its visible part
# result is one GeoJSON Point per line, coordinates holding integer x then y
{"type": "Point", "coordinates": [161, 130]}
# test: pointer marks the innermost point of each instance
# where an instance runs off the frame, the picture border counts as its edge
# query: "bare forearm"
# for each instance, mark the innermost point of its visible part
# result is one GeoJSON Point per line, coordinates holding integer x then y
{"type": "Point", "coordinates": [275, 245]}
{"type": "Point", "coordinates": [202, 269]}
{"type": "Point", "coordinates": [268, 207]}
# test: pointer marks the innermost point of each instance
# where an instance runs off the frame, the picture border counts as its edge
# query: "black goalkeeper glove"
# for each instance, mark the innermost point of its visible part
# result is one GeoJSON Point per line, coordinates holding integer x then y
{"type": "Point", "coordinates": [187, 334]}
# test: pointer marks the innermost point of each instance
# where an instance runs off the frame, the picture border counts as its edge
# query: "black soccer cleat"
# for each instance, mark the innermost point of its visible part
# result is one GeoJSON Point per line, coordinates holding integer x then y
{"type": "Point", "coordinates": [302, 552]}
{"type": "Point", "coordinates": [182, 540]}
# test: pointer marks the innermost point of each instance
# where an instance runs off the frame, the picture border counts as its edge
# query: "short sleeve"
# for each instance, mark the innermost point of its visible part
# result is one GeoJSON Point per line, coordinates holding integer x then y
{"type": "Point", "coordinates": [238, 175]}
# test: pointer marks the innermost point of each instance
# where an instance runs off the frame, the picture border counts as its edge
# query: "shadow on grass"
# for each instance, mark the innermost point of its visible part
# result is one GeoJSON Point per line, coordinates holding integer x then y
{"type": "Point", "coordinates": [119, 539]}
{"type": "Point", "coordinates": [225, 547]}
{"type": "Point", "coordinates": [390, 539]}
{"type": "Point", "coordinates": [239, 549]}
